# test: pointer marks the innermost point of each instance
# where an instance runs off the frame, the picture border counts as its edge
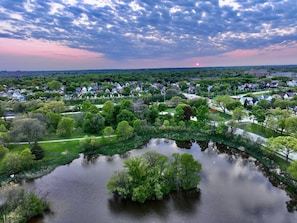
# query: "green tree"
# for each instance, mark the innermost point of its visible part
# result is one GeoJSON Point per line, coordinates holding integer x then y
{"type": "Point", "coordinates": [221, 101]}
{"type": "Point", "coordinates": [53, 120]}
{"type": "Point", "coordinates": [20, 205]}
{"type": "Point", "coordinates": [108, 131]}
{"type": "Point", "coordinates": [53, 106]}
{"type": "Point", "coordinates": [12, 163]}
{"type": "Point", "coordinates": [124, 131]}
{"type": "Point", "coordinates": [54, 85]}
{"type": "Point", "coordinates": [27, 159]}
{"type": "Point", "coordinates": [126, 104]}
{"type": "Point", "coordinates": [86, 105]}
{"type": "Point", "coordinates": [202, 114]}
{"type": "Point", "coordinates": [137, 125]}
{"type": "Point", "coordinates": [152, 176]}
{"type": "Point", "coordinates": [29, 129]}
{"type": "Point", "coordinates": [108, 110]}
{"type": "Point", "coordinates": [186, 170]}
{"type": "Point", "coordinates": [283, 144]}
{"type": "Point", "coordinates": [37, 151]}
{"type": "Point", "coordinates": [126, 115]}
{"type": "Point", "coordinates": [3, 151]}
{"type": "Point", "coordinates": [233, 105]}
{"type": "Point", "coordinates": [292, 169]}
{"type": "Point", "coordinates": [277, 118]}
{"type": "Point", "coordinates": [153, 114]}
{"type": "Point", "coordinates": [162, 107]}
{"type": "Point", "coordinates": [93, 122]}
{"type": "Point", "coordinates": [183, 112]}
{"type": "Point", "coordinates": [291, 125]}
{"type": "Point", "coordinates": [66, 127]}
{"type": "Point", "coordinates": [259, 114]}
{"type": "Point", "coordinates": [126, 91]}
{"type": "Point", "coordinates": [238, 113]}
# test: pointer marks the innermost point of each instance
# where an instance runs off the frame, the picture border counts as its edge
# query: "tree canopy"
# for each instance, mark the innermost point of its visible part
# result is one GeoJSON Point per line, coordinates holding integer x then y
{"type": "Point", "coordinates": [153, 175]}
{"type": "Point", "coordinates": [283, 144]}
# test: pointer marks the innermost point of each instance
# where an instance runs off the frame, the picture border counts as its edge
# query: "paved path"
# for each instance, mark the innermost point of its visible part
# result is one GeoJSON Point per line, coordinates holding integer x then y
{"type": "Point", "coordinates": [62, 140]}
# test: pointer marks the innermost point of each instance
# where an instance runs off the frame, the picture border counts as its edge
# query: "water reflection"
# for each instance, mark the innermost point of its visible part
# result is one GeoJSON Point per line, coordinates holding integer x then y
{"type": "Point", "coordinates": [233, 189]}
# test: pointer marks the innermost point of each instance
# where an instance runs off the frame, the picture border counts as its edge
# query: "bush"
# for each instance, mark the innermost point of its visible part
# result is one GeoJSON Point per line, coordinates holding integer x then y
{"type": "Point", "coordinates": [20, 206]}
{"type": "Point", "coordinates": [37, 151]}
{"type": "Point", "coordinates": [3, 151]}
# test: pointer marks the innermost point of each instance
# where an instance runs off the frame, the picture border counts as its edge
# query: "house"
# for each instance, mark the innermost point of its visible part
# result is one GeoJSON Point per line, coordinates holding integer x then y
{"type": "Point", "coordinates": [292, 83]}
{"type": "Point", "coordinates": [265, 97]}
{"type": "Point", "coordinates": [247, 101]}
{"type": "Point", "coordinates": [289, 95]}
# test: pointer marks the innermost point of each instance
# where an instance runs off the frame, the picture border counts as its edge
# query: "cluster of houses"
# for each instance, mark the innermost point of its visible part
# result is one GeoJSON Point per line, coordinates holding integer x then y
{"type": "Point", "coordinates": [115, 89]}
{"type": "Point", "coordinates": [246, 100]}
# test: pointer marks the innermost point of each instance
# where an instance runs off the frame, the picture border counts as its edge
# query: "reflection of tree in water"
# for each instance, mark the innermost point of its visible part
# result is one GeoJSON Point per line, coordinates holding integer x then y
{"type": "Point", "coordinates": [186, 201]}
{"type": "Point", "coordinates": [292, 205]}
{"type": "Point", "coordinates": [183, 144]}
{"type": "Point", "coordinates": [118, 205]}
{"type": "Point", "coordinates": [183, 201]}
{"type": "Point", "coordinates": [89, 159]}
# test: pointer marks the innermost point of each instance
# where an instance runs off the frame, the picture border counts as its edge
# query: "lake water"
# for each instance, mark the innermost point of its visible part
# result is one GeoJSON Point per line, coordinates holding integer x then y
{"type": "Point", "coordinates": [233, 189]}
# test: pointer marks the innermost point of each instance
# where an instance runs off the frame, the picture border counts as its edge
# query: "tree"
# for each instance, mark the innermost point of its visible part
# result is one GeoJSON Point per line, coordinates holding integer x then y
{"type": "Point", "coordinates": [162, 107]}
{"type": "Point", "coordinates": [264, 104]}
{"type": "Point", "coordinates": [3, 151]}
{"type": "Point", "coordinates": [37, 151]}
{"type": "Point", "coordinates": [233, 105]}
{"type": "Point", "coordinates": [108, 131]}
{"type": "Point", "coordinates": [29, 129]}
{"type": "Point", "coordinates": [66, 127]}
{"type": "Point", "coordinates": [202, 114]}
{"type": "Point", "coordinates": [53, 106]}
{"type": "Point", "coordinates": [27, 159]}
{"type": "Point", "coordinates": [20, 205]}
{"type": "Point", "coordinates": [183, 112]}
{"type": "Point", "coordinates": [186, 170]}
{"type": "Point", "coordinates": [124, 131]}
{"type": "Point", "coordinates": [292, 169]}
{"type": "Point", "coordinates": [54, 85]}
{"type": "Point", "coordinates": [152, 176]}
{"type": "Point", "coordinates": [221, 101]}
{"type": "Point", "coordinates": [291, 125]}
{"type": "Point", "coordinates": [86, 105]}
{"type": "Point", "coordinates": [12, 163]}
{"type": "Point", "coordinates": [153, 114]}
{"type": "Point", "coordinates": [283, 144]}
{"type": "Point", "coordinates": [126, 91]}
{"type": "Point", "coordinates": [238, 113]}
{"type": "Point", "coordinates": [137, 125]}
{"type": "Point", "coordinates": [126, 104]}
{"type": "Point", "coordinates": [277, 118]}
{"type": "Point", "coordinates": [53, 120]}
{"type": "Point", "coordinates": [93, 122]}
{"type": "Point", "coordinates": [259, 114]}
{"type": "Point", "coordinates": [108, 110]}
{"type": "Point", "coordinates": [126, 115]}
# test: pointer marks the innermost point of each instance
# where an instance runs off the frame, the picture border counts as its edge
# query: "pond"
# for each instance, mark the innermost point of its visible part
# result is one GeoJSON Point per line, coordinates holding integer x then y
{"type": "Point", "coordinates": [233, 189]}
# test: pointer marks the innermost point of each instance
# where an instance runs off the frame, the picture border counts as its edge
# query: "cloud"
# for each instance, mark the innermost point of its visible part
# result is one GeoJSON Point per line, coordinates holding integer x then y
{"type": "Point", "coordinates": [134, 29]}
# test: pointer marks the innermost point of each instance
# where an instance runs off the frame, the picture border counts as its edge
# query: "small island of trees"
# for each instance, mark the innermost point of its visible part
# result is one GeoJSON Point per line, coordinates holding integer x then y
{"type": "Point", "coordinates": [153, 175]}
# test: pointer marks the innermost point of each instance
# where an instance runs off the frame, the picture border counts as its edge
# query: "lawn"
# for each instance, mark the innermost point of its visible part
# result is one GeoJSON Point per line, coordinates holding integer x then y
{"type": "Point", "coordinates": [259, 130]}
{"type": "Point", "coordinates": [219, 116]}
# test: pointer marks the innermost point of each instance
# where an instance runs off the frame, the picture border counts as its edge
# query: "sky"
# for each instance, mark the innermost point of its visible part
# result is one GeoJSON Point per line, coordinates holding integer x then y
{"type": "Point", "coordinates": [128, 34]}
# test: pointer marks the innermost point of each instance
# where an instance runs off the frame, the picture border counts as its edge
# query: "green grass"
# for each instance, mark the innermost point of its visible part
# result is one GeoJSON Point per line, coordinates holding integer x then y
{"type": "Point", "coordinates": [219, 116]}
{"type": "Point", "coordinates": [170, 110]}
{"type": "Point", "coordinates": [259, 130]}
